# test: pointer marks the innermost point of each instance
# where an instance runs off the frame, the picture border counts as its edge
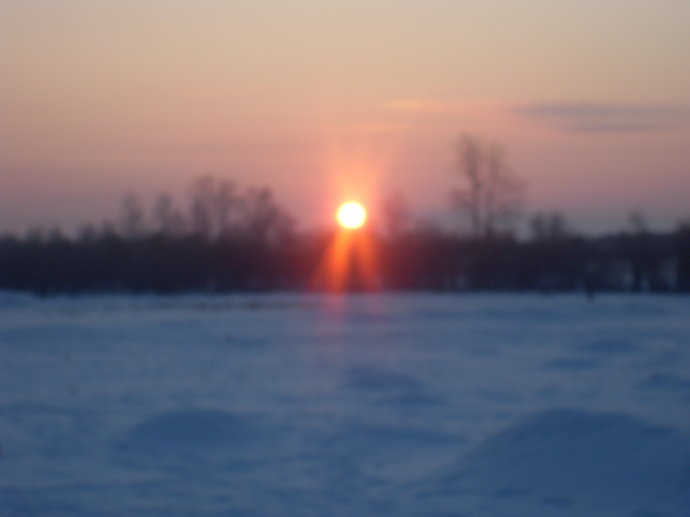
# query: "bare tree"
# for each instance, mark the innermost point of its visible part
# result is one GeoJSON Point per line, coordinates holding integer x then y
{"type": "Point", "coordinates": [131, 221]}
{"type": "Point", "coordinates": [167, 220]}
{"type": "Point", "coordinates": [493, 194]}
{"type": "Point", "coordinates": [213, 203]}
{"type": "Point", "coordinates": [682, 252]}
{"type": "Point", "coordinates": [395, 213]}
{"type": "Point", "coordinates": [549, 226]}
{"type": "Point", "coordinates": [263, 218]}
{"type": "Point", "coordinates": [640, 250]}
{"type": "Point", "coordinates": [638, 221]}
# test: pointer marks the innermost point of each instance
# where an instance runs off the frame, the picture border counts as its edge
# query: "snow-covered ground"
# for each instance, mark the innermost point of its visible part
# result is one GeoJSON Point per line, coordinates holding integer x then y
{"type": "Point", "coordinates": [390, 405]}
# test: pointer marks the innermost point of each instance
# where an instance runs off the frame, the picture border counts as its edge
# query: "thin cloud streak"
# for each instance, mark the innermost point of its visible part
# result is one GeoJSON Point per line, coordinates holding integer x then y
{"type": "Point", "coordinates": [586, 117]}
{"type": "Point", "coordinates": [383, 127]}
{"type": "Point", "coordinates": [426, 114]}
{"type": "Point", "coordinates": [422, 106]}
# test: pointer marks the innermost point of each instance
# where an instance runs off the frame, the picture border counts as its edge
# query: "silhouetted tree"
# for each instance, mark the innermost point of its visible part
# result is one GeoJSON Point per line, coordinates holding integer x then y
{"type": "Point", "coordinates": [263, 219]}
{"type": "Point", "coordinates": [166, 218]}
{"type": "Point", "coordinates": [555, 258]}
{"type": "Point", "coordinates": [131, 221]}
{"type": "Point", "coordinates": [492, 194]}
{"type": "Point", "coordinates": [239, 240]}
{"type": "Point", "coordinates": [682, 255]}
{"type": "Point", "coordinates": [396, 215]}
{"type": "Point", "coordinates": [639, 251]}
{"type": "Point", "coordinates": [213, 205]}
{"type": "Point", "coordinates": [549, 226]}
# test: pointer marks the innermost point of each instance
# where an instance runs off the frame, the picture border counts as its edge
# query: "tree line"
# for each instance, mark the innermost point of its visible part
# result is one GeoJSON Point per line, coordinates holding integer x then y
{"type": "Point", "coordinates": [229, 239]}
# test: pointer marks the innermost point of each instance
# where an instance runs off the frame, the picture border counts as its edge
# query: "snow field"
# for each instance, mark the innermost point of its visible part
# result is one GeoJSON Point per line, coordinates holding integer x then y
{"type": "Point", "coordinates": [368, 405]}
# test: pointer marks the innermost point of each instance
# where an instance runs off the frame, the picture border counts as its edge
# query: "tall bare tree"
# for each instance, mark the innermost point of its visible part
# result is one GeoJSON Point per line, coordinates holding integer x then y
{"type": "Point", "coordinates": [131, 221]}
{"type": "Point", "coordinates": [492, 195]}
{"type": "Point", "coordinates": [549, 226]}
{"type": "Point", "coordinates": [167, 219]}
{"type": "Point", "coordinates": [395, 212]}
{"type": "Point", "coordinates": [263, 218]}
{"type": "Point", "coordinates": [214, 204]}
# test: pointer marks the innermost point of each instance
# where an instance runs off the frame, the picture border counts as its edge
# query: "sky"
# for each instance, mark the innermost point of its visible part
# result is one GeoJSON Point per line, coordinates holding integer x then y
{"type": "Point", "coordinates": [325, 101]}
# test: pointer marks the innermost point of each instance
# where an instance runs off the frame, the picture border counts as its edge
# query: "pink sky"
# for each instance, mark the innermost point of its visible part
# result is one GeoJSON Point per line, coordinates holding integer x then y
{"type": "Point", "coordinates": [328, 100]}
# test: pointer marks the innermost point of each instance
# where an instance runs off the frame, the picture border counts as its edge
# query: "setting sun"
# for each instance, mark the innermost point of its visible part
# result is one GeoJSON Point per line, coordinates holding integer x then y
{"type": "Point", "coordinates": [351, 215]}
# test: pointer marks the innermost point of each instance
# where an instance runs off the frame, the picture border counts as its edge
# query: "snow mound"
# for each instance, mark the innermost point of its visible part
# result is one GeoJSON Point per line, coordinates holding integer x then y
{"type": "Point", "coordinates": [667, 381]}
{"type": "Point", "coordinates": [368, 378]}
{"type": "Point", "coordinates": [571, 457]}
{"type": "Point", "coordinates": [386, 438]}
{"type": "Point", "coordinates": [611, 347]}
{"type": "Point", "coordinates": [391, 388]}
{"type": "Point", "coordinates": [192, 431]}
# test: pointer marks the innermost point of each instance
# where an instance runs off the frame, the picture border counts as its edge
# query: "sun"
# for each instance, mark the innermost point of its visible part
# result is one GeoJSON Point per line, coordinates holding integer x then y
{"type": "Point", "coordinates": [351, 215]}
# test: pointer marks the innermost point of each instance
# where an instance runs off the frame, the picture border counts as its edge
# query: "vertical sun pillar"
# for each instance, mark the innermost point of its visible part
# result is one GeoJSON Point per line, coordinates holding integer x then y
{"type": "Point", "coordinates": [349, 262]}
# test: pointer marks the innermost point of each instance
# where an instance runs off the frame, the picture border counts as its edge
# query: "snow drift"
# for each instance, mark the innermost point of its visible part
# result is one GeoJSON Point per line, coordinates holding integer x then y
{"type": "Point", "coordinates": [577, 459]}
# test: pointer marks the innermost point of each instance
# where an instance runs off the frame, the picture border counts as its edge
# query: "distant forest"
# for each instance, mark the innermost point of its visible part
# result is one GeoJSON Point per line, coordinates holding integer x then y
{"type": "Point", "coordinates": [230, 239]}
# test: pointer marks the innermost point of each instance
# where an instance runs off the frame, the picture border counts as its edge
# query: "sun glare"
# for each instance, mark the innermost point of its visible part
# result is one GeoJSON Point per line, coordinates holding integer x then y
{"type": "Point", "coordinates": [351, 215]}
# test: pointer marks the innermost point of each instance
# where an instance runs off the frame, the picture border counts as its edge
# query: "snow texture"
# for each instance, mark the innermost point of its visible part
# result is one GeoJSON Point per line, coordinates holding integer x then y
{"type": "Point", "coordinates": [367, 405]}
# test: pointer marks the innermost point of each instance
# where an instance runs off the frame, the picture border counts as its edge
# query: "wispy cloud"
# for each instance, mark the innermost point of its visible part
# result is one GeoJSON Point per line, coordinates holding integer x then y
{"type": "Point", "coordinates": [431, 113]}
{"type": "Point", "coordinates": [423, 106]}
{"type": "Point", "coordinates": [586, 117]}
{"type": "Point", "coordinates": [383, 127]}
